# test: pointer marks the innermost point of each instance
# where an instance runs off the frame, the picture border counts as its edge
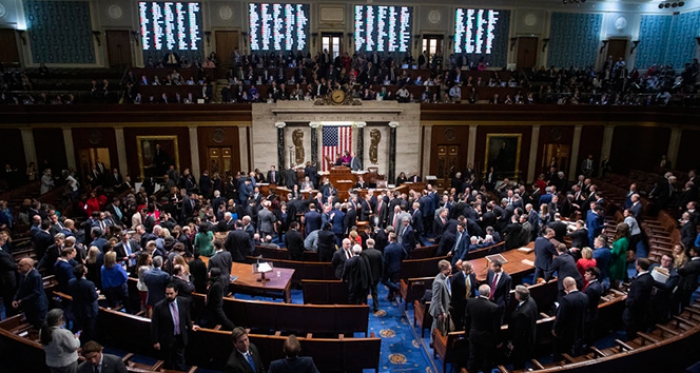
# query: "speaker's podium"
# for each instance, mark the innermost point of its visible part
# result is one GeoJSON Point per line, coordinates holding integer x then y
{"type": "Point", "coordinates": [342, 179]}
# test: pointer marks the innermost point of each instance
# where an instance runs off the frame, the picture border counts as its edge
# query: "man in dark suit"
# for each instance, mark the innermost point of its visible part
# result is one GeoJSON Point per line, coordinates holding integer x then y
{"type": "Point", "coordinates": [565, 266]}
{"type": "Point", "coordinates": [156, 279]}
{"type": "Point", "coordinates": [375, 259]}
{"type": "Point", "coordinates": [290, 178]}
{"type": "Point", "coordinates": [127, 250]}
{"type": "Point", "coordinates": [439, 224]}
{"type": "Point", "coordinates": [326, 243]}
{"type": "Point", "coordinates": [464, 286]}
{"type": "Point", "coordinates": [594, 290]}
{"type": "Point", "coordinates": [408, 241]}
{"type": "Point", "coordinates": [30, 295]}
{"type": "Point", "coordinates": [294, 242]}
{"type": "Point", "coordinates": [8, 279]}
{"type": "Point", "coordinates": [312, 219]}
{"type": "Point", "coordinates": [97, 361]}
{"type": "Point", "coordinates": [221, 258]}
{"type": "Point", "coordinates": [84, 303]}
{"type": "Point", "coordinates": [170, 328]}
{"type": "Point", "coordinates": [559, 228]}
{"type": "Point", "coordinates": [42, 240]}
{"type": "Point", "coordinates": [273, 177]}
{"type": "Point", "coordinates": [484, 320]}
{"type": "Point", "coordinates": [579, 237]}
{"type": "Point", "coordinates": [569, 326]}
{"type": "Point", "coordinates": [293, 363]}
{"type": "Point", "coordinates": [522, 327]}
{"type": "Point", "coordinates": [544, 252]}
{"type": "Point", "coordinates": [638, 311]}
{"type": "Point", "coordinates": [393, 255]}
{"type": "Point", "coordinates": [340, 257]}
{"type": "Point", "coordinates": [238, 244]}
{"type": "Point", "coordinates": [440, 302]}
{"type": "Point", "coordinates": [500, 284]}
{"type": "Point", "coordinates": [245, 357]}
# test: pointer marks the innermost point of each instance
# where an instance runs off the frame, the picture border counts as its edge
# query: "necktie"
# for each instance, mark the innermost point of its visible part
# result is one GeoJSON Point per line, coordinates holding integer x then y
{"type": "Point", "coordinates": [249, 357]}
{"type": "Point", "coordinates": [347, 254]}
{"type": "Point", "coordinates": [459, 238]}
{"type": "Point", "coordinates": [493, 285]}
{"type": "Point", "coordinates": [97, 370]}
{"type": "Point", "coordinates": [176, 318]}
{"type": "Point", "coordinates": [449, 286]}
{"type": "Point", "coordinates": [273, 177]}
{"type": "Point", "coordinates": [467, 286]}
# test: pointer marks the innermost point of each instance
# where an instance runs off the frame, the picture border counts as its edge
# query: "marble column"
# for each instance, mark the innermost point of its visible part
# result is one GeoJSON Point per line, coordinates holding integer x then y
{"type": "Point", "coordinates": [243, 148]}
{"type": "Point", "coordinates": [427, 139]}
{"type": "Point", "coordinates": [360, 146]}
{"type": "Point", "coordinates": [674, 144]}
{"type": "Point", "coordinates": [607, 141]}
{"type": "Point", "coordinates": [280, 146]}
{"type": "Point", "coordinates": [121, 150]}
{"type": "Point", "coordinates": [471, 145]}
{"type": "Point", "coordinates": [70, 150]}
{"type": "Point", "coordinates": [29, 148]}
{"type": "Point", "coordinates": [392, 155]}
{"type": "Point", "coordinates": [534, 144]}
{"type": "Point", "coordinates": [314, 141]}
{"type": "Point", "coordinates": [575, 146]}
{"type": "Point", "coordinates": [194, 150]}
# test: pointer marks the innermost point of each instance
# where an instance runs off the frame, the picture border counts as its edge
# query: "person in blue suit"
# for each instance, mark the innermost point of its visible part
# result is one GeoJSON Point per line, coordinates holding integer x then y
{"type": "Point", "coordinates": [594, 221]}
{"type": "Point", "coordinates": [293, 363]}
{"type": "Point", "coordinates": [30, 295]}
{"type": "Point", "coordinates": [459, 249]}
{"type": "Point", "coordinates": [338, 222]}
{"type": "Point", "coordinates": [84, 304]}
{"type": "Point", "coordinates": [393, 255]}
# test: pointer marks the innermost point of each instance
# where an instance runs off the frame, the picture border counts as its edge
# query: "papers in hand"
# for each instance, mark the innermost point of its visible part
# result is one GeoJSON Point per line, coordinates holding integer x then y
{"type": "Point", "coordinates": [660, 275]}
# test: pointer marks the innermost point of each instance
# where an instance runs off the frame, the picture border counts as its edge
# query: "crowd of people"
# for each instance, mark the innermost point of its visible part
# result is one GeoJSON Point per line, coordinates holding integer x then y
{"type": "Point", "coordinates": [159, 237]}
{"type": "Point", "coordinates": [374, 76]}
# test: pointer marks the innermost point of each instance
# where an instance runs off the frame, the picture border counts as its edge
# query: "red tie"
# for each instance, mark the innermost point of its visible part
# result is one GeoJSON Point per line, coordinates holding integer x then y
{"type": "Point", "coordinates": [493, 284]}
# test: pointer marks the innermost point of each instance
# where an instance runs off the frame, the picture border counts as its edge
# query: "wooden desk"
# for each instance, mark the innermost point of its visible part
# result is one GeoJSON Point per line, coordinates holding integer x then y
{"type": "Point", "coordinates": [247, 282]}
{"type": "Point", "coordinates": [514, 267]}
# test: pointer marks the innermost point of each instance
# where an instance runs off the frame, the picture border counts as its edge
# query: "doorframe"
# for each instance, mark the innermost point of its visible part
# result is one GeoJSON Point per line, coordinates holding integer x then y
{"type": "Point", "coordinates": [212, 44]}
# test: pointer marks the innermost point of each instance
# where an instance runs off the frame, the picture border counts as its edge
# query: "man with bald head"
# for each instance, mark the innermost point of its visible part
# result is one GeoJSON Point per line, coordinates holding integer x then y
{"type": "Point", "coordinates": [30, 295]}
{"type": "Point", "coordinates": [568, 327]}
{"type": "Point", "coordinates": [340, 257]}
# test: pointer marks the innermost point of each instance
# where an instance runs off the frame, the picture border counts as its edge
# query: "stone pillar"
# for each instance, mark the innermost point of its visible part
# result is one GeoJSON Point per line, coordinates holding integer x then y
{"type": "Point", "coordinates": [194, 151]}
{"type": "Point", "coordinates": [121, 150]}
{"type": "Point", "coordinates": [534, 144]}
{"type": "Point", "coordinates": [392, 152]}
{"type": "Point", "coordinates": [29, 149]}
{"type": "Point", "coordinates": [70, 150]}
{"type": "Point", "coordinates": [575, 146]}
{"type": "Point", "coordinates": [427, 140]}
{"type": "Point", "coordinates": [243, 148]}
{"type": "Point", "coordinates": [360, 144]}
{"type": "Point", "coordinates": [314, 141]}
{"type": "Point", "coordinates": [607, 141]}
{"type": "Point", "coordinates": [471, 145]}
{"type": "Point", "coordinates": [674, 144]}
{"type": "Point", "coordinates": [280, 146]}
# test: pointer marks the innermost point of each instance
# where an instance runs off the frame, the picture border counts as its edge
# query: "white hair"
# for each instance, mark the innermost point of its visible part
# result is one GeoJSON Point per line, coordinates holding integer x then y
{"type": "Point", "coordinates": [356, 249]}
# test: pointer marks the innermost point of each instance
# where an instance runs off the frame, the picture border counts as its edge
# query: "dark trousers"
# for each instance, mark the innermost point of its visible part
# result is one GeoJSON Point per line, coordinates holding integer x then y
{"type": "Point", "coordinates": [87, 325]}
{"type": "Point", "coordinates": [375, 296]}
{"type": "Point", "coordinates": [480, 358]}
{"type": "Point", "coordinates": [116, 295]}
{"type": "Point", "coordinates": [391, 281]}
{"type": "Point", "coordinates": [174, 353]}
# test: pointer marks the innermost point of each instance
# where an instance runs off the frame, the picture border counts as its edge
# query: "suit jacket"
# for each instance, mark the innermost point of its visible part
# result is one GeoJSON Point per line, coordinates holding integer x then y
{"type": "Point", "coordinates": [522, 327]}
{"type": "Point", "coordinates": [237, 363]}
{"type": "Point", "coordinates": [501, 295]}
{"type": "Point", "coordinates": [638, 300]}
{"type": "Point", "coordinates": [459, 291]}
{"type": "Point", "coordinates": [31, 293]}
{"type": "Point", "coordinates": [544, 251]}
{"type": "Point", "coordinates": [300, 364]}
{"type": "Point", "coordinates": [84, 294]}
{"type": "Point", "coordinates": [338, 262]}
{"type": "Point", "coordinates": [8, 272]}
{"type": "Point", "coordinates": [571, 315]}
{"type": "Point", "coordinates": [155, 280]}
{"type": "Point", "coordinates": [376, 263]}
{"type": "Point", "coordinates": [594, 290]}
{"type": "Point", "coordinates": [277, 177]}
{"type": "Point", "coordinates": [110, 364]}
{"type": "Point", "coordinates": [295, 244]}
{"type": "Point", "coordinates": [266, 220]}
{"type": "Point", "coordinates": [689, 276]}
{"type": "Point", "coordinates": [222, 260]}
{"type": "Point", "coordinates": [440, 302]}
{"type": "Point", "coordinates": [326, 245]}
{"type": "Point", "coordinates": [393, 255]}
{"type": "Point", "coordinates": [120, 249]}
{"type": "Point", "coordinates": [483, 318]}
{"type": "Point", "coordinates": [409, 240]}
{"type": "Point", "coordinates": [565, 266]}
{"type": "Point", "coordinates": [312, 221]}
{"type": "Point", "coordinates": [162, 326]}
{"type": "Point", "coordinates": [238, 245]}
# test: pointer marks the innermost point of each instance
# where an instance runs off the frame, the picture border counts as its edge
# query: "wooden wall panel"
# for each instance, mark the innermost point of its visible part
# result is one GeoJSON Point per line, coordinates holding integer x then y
{"type": "Point", "coordinates": [563, 135]}
{"type": "Point", "coordinates": [638, 147]}
{"type": "Point", "coordinates": [482, 131]}
{"type": "Point", "coordinates": [49, 145]}
{"type": "Point", "coordinates": [442, 135]}
{"type": "Point", "coordinates": [688, 151]}
{"type": "Point", "coordinates": [12, 150]}
{"type": "Point", "coordinates": [591, 143]}
{"type": "Point", "coordinates": [218, 137]}
{"type": "Point", "coordinates": [183, 139]}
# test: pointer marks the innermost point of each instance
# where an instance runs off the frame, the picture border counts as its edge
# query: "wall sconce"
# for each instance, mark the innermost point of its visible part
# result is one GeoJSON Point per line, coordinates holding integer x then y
{"type": "Point", "coordinates": [314, 35]}
{"type": "Point", "coordinates": [135, 35]}
{"type": "Point", "coordinates": [20, 33]}
{"type": "Point", "coordinates": [544, 44]}
{"type": "Point", "coordinates": [512, 43]}
{"type": "Point", "coordinates": [97, 34]}
{"type": "Point", "coordinates": [605, 44]}
{"type": "Point", "coordinates": [635, 44]}
{"type": "Point", "coordinates": [208, 34]}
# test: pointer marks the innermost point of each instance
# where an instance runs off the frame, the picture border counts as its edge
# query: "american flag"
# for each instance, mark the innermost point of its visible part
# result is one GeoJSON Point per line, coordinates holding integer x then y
{"type": "Point", "coordinates": [336, 139]}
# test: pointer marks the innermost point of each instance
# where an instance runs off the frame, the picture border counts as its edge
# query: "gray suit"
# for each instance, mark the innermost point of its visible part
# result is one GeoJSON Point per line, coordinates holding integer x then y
{"type": "Point", "coordinates": [266, 220]}
{"type": "Point", "coordinates": [440, 303]}
{"type": "Point", "coordinates": [110, 364]}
